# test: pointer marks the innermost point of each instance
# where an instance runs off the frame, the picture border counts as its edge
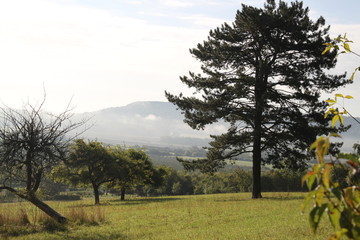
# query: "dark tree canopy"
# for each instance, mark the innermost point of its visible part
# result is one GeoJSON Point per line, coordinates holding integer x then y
{"type": "Point", "coordinates": [263, 74]}
{"type": "Point", "coordinates": [32, 142]}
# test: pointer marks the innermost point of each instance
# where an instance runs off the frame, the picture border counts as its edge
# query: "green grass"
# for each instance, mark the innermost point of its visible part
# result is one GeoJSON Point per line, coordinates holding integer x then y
{"type": "Point", "coordinates": [220, 216]}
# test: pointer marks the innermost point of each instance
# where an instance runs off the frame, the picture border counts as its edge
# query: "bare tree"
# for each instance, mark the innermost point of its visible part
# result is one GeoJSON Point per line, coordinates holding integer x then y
{"type": "Point", "coordinates": [32, 142]}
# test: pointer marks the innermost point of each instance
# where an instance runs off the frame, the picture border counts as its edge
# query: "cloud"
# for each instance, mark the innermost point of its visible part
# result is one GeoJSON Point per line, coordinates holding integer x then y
{"type": "Point", "coordinates": [152, 117]}
{"type": "Point", "coordinates": [95, 56]}
{"type": "Point", "coordinates": [176, 3]}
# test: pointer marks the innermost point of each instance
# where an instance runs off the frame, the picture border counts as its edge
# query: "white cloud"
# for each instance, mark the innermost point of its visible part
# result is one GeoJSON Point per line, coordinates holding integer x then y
{"type": "Point", "coordinates": [176, 3]}
{"type": "Point", "coordinates": [98, 58]}
{"type": "Point", "coordinates": [102, 58]}
{"type": "Point", "coordinates": [152, 117]}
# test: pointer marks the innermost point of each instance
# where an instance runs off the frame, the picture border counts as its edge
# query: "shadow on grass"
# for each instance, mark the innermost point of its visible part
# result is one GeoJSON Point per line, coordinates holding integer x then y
{"type": "Point", "coordinates": [142, 201]}
{"type": "Point", "coordinates": [96, 236]}
{"type": "Point", "coordinates": [126, 202]}
{"type": "Point", "coordinates": [285, 197]}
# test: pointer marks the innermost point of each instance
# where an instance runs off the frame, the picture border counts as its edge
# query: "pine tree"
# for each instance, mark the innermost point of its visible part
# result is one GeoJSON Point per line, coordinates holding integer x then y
{"type": "Point", "coordinates": [263, 74]}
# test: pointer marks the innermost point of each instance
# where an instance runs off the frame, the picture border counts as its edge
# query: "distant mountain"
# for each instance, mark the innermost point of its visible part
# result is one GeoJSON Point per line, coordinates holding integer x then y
{"type": "Point", "coordinates": [161, 124]}
{"type": "Point", "coordinates": [150, 123]}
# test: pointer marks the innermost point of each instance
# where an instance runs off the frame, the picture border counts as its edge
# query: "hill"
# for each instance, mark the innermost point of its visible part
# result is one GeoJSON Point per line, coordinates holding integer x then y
{"type": "Point", "coordinates": [146, 123]}
{"type": "Point", "coordinates": [161, 124]}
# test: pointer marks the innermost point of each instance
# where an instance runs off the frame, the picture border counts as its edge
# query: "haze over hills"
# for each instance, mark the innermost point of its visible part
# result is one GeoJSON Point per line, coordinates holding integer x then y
{"type": "Point", "coordinates": [161, 124]}
{"type": "Point", "coordinates": [147, 123]}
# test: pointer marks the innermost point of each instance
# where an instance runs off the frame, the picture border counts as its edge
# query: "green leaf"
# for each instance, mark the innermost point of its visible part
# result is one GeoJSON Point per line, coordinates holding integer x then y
{"type": "Point", "coordinates": [311, 181]}
{"type": "Point", "coordinates": [308, 197]}
{"type": "Point", "coordinates": [334, 216]}
{"type": "Point", "coordinates": [345, 222]}
{"type": "Point", "coordinates": [356, 232]}
{"type": "Point", "coordinates": [337, 192]}
{"type": "Point", "coordinates": [338, 234]}
{"type": "Point", "coordinates": [309, 178]}
{"type": "Point", "coordinates": [315, 216]}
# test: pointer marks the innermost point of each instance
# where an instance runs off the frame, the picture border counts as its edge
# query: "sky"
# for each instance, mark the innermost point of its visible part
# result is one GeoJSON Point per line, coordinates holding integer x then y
{"type": "Point", "coordinates": [96, 54]}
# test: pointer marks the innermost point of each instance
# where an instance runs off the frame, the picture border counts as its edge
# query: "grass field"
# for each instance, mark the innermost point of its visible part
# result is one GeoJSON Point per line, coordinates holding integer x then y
{"type": "Point", "coordinates": [220, 216]}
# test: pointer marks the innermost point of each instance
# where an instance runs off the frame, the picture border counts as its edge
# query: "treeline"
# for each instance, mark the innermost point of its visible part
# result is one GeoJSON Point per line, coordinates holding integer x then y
{"type": "Point", "coordinates": [92, 168]}
{"type": "Point", "coordinates": [175, 182]}
{"type": "Point", "coordinates": [237, 180]}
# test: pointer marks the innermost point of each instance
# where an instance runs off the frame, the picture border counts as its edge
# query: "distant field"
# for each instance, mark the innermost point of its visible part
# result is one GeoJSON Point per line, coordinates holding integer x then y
{"type": "Point", "coordinates": [220, 216]}
{"type": "Point", "coordinates": [171, 161]}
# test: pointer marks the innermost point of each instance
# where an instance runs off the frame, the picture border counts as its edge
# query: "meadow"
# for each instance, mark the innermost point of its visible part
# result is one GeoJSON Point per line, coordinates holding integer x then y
{"type": "Point", "coordinates": [217, 216]}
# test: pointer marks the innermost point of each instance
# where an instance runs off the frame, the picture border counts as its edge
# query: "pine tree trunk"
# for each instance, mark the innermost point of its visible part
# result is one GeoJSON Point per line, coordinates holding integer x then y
{"type": "Point", "coordinates": [259, 106]}
{"type": "Point", "coordinates": [122, 196]}
{"type": "Point", "coordinates": [256, 170]}
{"type": "Point", "coordinates": [256, 191]}
{"type": "Point", "coordinates": [47, 209]}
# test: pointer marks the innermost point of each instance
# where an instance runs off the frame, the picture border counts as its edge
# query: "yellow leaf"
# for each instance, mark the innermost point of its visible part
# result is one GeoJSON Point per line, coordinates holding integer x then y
{"type": "Point", "coordinates": [352, 76]}
{"type": "Point", "coordinates": [327, 114]}
{"type": "Point", "coordinates": [335, 135]}
{"type": "Point", "coordinates": [349, 196]}
{"type": "Point", "coordinates": [330, 101]}
{"type": "Point", "coordinates": [322, 145]}
{"type": "Point", "coordinates": [326, 49]}
{"type": "Point", "coordinates": [326, 175]}
{"type": "Point", "coordinates": [306, 177]}
{"type": "Point", "coordinates": [334, 120]}
{"type": "Point", "coordinates": [314, 144]}
{"type": "Point", "coordinates": [339, 95]}
{"type": "Point", "coordinates": [341, 120]}
{"type": "Point", "coordinates": [347, 47]}
{"type": "Point", "coordinates": [348, 97]}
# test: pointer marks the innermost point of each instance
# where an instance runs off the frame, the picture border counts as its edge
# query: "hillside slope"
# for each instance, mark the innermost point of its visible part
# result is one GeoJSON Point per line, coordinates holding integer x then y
{"type": "Point", "coordinates": [161, 124]}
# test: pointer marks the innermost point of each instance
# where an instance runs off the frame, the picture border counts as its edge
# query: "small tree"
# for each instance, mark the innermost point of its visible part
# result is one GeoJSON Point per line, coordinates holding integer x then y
{"type": "Point", "coordinates": [135, 169]}
{"type": "Point", "coordinates": [32, 142]}
{"type": "Point", "coordinates": [89, 163]}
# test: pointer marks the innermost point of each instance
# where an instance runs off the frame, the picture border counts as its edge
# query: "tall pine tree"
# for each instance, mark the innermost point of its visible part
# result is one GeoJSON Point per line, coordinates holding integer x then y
{"type": "Point", "coordinates": [263, 74]}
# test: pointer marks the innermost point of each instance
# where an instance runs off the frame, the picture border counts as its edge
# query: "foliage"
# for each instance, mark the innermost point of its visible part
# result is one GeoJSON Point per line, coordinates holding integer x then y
{"type": "Point", "coordinates": [263, 75]}
{"type": "Point", "coordinates": [236, 180]}
{"type": "Point", "coordinates": [94, 164]}
{"type": "Point", "coordinates": [89, 163]}
{"type": "Point", "coordinates": [338, 200]}
{"type": "Point", "coordinates": [137, 169]}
